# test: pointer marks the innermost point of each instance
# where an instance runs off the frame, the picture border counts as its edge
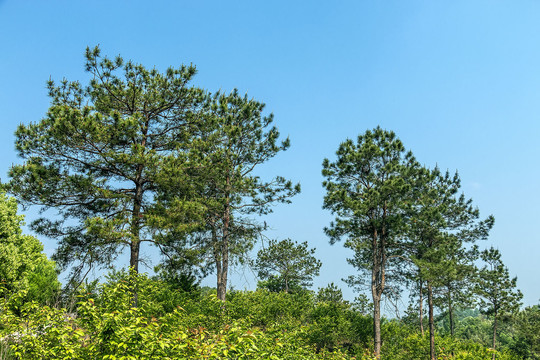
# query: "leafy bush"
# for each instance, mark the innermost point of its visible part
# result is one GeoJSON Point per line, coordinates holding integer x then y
{"type": "Point", "coordinates": [107, 326]}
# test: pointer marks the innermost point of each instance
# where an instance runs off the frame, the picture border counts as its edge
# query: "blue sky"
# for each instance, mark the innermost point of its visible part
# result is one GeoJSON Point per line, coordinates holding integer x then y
{"type": "Point", "coordinates": [459, 82]}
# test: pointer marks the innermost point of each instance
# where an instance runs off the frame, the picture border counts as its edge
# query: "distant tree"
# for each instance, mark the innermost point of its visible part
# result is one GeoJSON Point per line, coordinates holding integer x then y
{"type": "Point", "coordinates": [287, 265]}
{"type": "Point", "coordinates": [499, 295]}
{"type": "Point", "coordinates": [456, 290]}
{"type": "Point", "coordinates": [330, 293]}
{"type": "Point", "coordinates": [23, 265]}
{"type": "Point", "coordinates": [178, 275]}
{"type": "Point", "coordinates": [368, 191]}
{"type": "Point", "coordinates": [241, 140]}
{"type": "Point", "coordinates": [102, 156]}
{"type": "Point", "coordinates": [527, 332]}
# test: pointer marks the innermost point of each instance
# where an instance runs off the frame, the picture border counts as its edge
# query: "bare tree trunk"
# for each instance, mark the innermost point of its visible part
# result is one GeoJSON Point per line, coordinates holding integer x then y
{"type": "Point", "coordinates": [134, 255]}
{"type": "Point", "coordinates": [450, 313]}
{"type": "Point", "coordinates": [224, 250]}
{"type": "Point", "coordinates": [376, 323]}
{"type": "Point", "coordinates": [377, 287]}
{"type": "Point", "coordinates": [421, 309]}
{"type": "Point", "coordinates": [494, 335]}
{"type": "Point", "coordinates": [431, 323]}
{"type": "Point", "coordinates": [222, 284]}
{"type": "Point", "coordinates": [221, 256]}
{"type": "Point", "coordinates": [135, 244]}
{"type": "Point", "coordinates": [136, 215]}
{"type": "Point", "coordinates": [134, 264]}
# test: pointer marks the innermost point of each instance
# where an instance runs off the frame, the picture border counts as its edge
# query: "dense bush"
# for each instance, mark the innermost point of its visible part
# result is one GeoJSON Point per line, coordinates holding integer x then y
{"type": "Point", "coordinates": [168, 323]}
{"type": "Point", "coordinates": [107, 326]}
{"type": "Point", "coordinates": [23, 265]}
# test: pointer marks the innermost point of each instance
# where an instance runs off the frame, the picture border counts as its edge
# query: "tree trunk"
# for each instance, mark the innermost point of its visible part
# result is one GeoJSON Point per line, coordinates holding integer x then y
{"type": "Point", "coordinates": [376, 325]}
{"type": "Point", "coordinates": [450, 314]}
{"type": "Point", "coordinates": [220, 253]}
{"type": "Point", "coordinates": [431, 323]}
{"type": "Point", "coordinates": [224, 249]}
{"type": "Point", "coordinates": [421, 309]}
{"type": "Point", "coordinates": [377, 286]}
{"type": "Point", "coordinates": [134, 256]}
{"type": "Point", "coordinates": [134, 264]}
{"type": "Point", "coordinates": [494, 335]}
{"type": "Point", "coordinates": [135, 244]}
{"type": "Point", "coordinates": [136, 212]}
{"type": "Point", "coordinates": [136, 215]}
{"type": "Point", "coordinates": [222, 283]}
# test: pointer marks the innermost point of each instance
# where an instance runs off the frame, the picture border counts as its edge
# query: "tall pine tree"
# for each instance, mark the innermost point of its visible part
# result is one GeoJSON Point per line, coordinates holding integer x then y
{"type": "Point", "coordinates": [100, 155]}
{"type": "Point", "coordinates": [367, 190]}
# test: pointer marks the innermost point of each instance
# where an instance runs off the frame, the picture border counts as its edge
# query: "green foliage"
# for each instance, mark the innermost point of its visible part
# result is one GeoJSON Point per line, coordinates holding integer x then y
{"type": "Point", "coordinates": [287, 265]}
{"type": "Point", "coordinates": [106, 326]}
{"type": "Point", "coordinates": [526, 339]}
{"type": "Point", "coordinates": [402, 344]}
{"type": "Point", "coordinates": [331, 326]}
{"type": "Point", "coordinates": [170, 324]}
{"type": "Point", "coordinates": [23, 266]}
{"type": "Point", "coordinates": [266, 309]}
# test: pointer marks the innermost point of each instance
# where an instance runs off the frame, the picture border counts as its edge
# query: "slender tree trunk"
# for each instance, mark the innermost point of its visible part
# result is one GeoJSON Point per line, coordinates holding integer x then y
{"type": "Point", "coordinates": [224, 249]}
{"type": "Point", "coordinates": [136, 223]}
{"type": "Point", "coordinates": [376, 324]}
{"type": "Point", "coordinates": [134, 255]}
{"type": "Point", "coordinates": [421, 309]}
{"type": "Point", "coordinates": [494, 335]}
{"type": "Point", "coordinates": [217, 257]}
{"type": "Point", "coordinates": [221, 270]}
{"type": "Point", "coordinates": [377, 287]}
{"type": "Point", "coordinates": [134, 264]}
{"type": "Point", "coordinates": [222, 274]}
{"type": "Point", "coordinates": [450, 314]}
{"type": "Point", "coordinates": [431, 323]}
{"type": "Point", "coordinates": [135, 244]}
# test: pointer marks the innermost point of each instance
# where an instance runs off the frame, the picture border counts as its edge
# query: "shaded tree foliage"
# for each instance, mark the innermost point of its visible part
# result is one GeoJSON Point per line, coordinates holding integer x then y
{"type": "Point", "coordinates": [440, 223]}
{"type": "Point", "coordinates": [499, 295]}
{"type": "Point", "coordinates": [23, 265]}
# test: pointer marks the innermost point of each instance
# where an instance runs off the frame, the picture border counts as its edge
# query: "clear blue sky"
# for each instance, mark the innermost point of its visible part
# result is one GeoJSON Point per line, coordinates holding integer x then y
{"type": "Point", "coordinates": [459, 82]}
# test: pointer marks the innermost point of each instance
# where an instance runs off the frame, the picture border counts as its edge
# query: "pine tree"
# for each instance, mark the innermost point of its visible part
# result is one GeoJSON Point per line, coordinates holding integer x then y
{"type": "Point", "coordinates": [102, 155]}
{"type": "Point", "coordinates": [367, 190]}
{"type": "Point", "coordinates": [241, 140]}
